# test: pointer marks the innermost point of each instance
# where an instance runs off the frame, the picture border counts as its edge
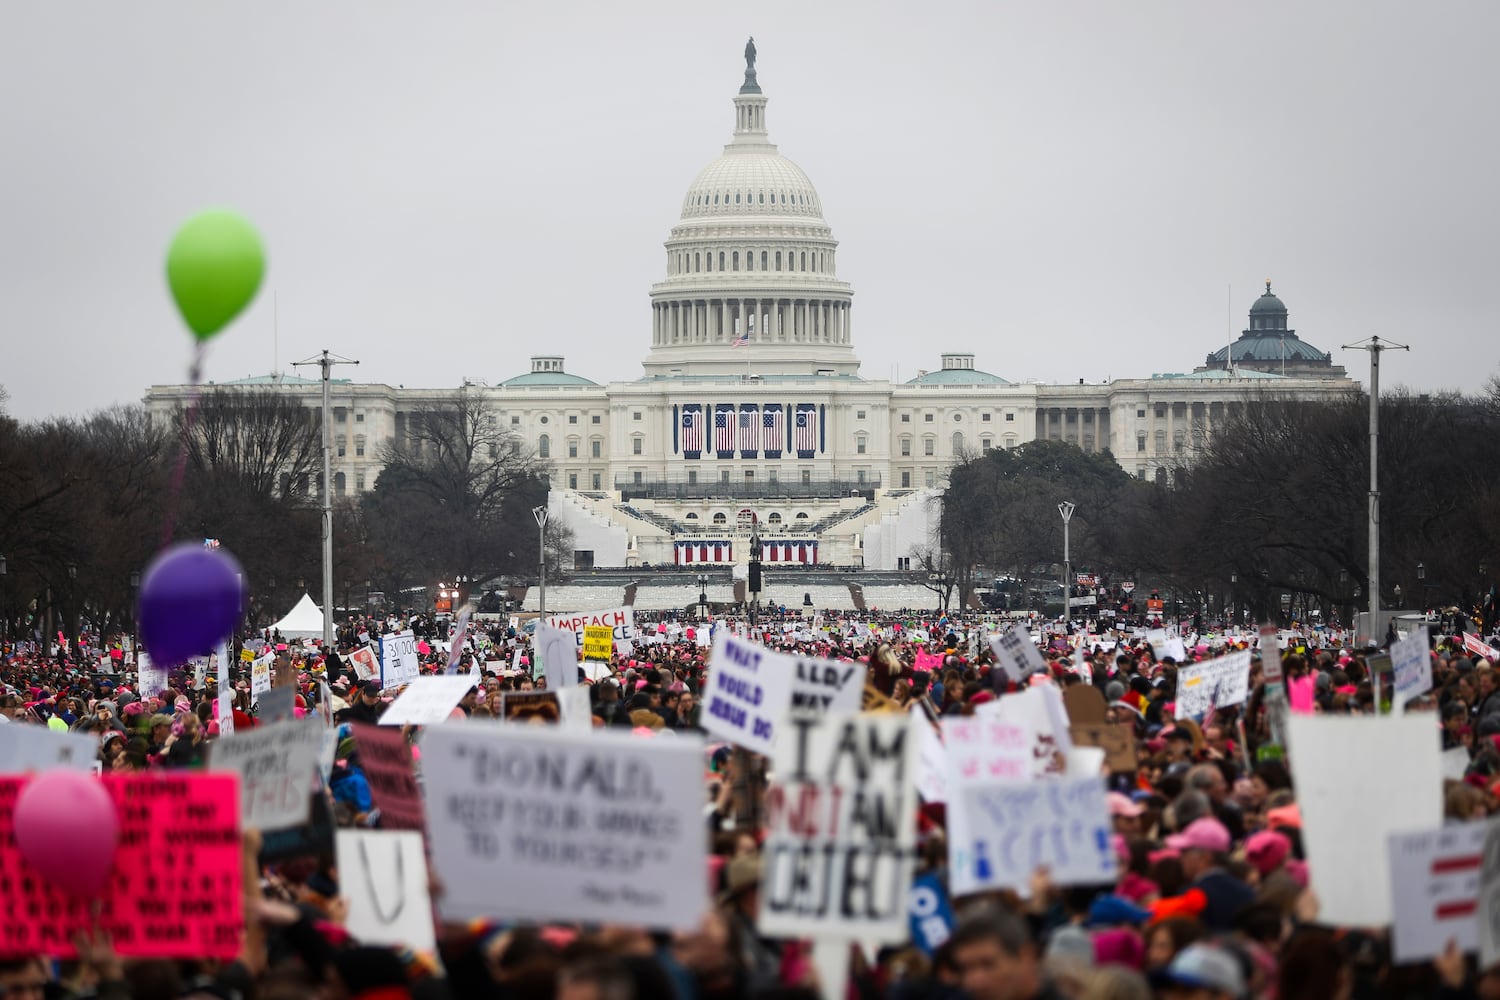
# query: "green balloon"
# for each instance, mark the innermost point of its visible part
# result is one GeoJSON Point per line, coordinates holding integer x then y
{"type": "Point", "coordinates": [214, 267]}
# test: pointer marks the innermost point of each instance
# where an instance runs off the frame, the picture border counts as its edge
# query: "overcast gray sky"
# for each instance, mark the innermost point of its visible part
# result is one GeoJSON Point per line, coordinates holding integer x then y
{"type": "Point", "coordinates": [1066, 189]}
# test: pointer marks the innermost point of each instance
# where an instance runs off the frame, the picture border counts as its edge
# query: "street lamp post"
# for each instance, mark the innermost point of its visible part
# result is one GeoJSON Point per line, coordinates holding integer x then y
{"type": "Point", "coordinates": [1375, 346]}
{"type": "Point", "coordinates": [752, 575]}
{"type": "Point", "coordinates": [135, 590]}
{"type": "Point", "coordinates": [4, 613]}
{"type": "Point", "coordinates": [540, 513]}
{"type": "Point", "coordinates": [326, 361]}
{"type": "Point", "coordinates": [702, 595]}
{"type": "Point", "coordinates": [1066, 509]}
{"type": "Point", "coordinates": [71, 606]}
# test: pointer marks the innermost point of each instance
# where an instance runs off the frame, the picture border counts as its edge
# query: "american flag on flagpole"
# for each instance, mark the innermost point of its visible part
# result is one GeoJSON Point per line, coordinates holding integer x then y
{"type": "Point", "coordinates": [723, 432]}
{"type": "Point", "coordinates": [741, 341]}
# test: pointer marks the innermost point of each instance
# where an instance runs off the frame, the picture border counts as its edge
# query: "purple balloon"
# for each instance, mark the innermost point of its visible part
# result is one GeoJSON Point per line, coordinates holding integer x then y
{"type": "Point", "coordinates": [191, 599]}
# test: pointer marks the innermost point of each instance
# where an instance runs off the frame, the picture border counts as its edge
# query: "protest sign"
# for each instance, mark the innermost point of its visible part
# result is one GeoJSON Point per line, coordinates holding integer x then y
{"type": "Point", "coordinates": [574, 706]}
{"type": "Point", "coordinates": [1348, 812]}
{"type": "Point", "coordinates": [1017, 827]}
{"type": "Point", "coordinates": [278, 704]}
{"type": "Point", "coordinates": [930, 913]}
{"type": "Point", "coordinates": [386, 759]}
{"type": "Point", "coordinates": [841, 829]}
{"type": "Point", "coordinates": [398, 660]}
{"type": "Point", "coordinates": [1270, 654]}
{"type": "Point", "coordinates": [621, 622]}
{"type": "Point", "coordinates": [174, 889]}
{"type": "Point", "coordinates": [26, 748]}
{"type": "Point", "coordinates": [932, 759]}
{"type": "Point", "coordinates": [275, 765]}
{"type": "Point", "coordinates": [1202, 687]}
{"type": "Point", "coordinates": [1435, 880]}
{"type": "Point", "coordinates": [225, 712]}
{"type": "Point", "coordinates": [1488, 922]}
{"type": "Point", "coordinates": [748, 692]}
{"type": "Point", "coordinates": [150, 681]}
{"type": "Point", "coordinates": [1088, 726]}
{"type": "Point", "coordinates": [313, 838]}
{"type": "Point", "coordinates": [539, 824]}
{"type": "Point", "coordinates": [1455, 763]}
{"type": "Point", "coordinates": [456, 640]}
{"type": "Point", "coordinates": [827, 685]}
{"type": "Point", "coordinates": [1041, 709]}
{"type": "Point", "coordinates": [1411, 664]}
{"type": "Point", "coordinates": [559, 656]}
{"type": "Point", "coordinates": [979, 749]}
{"type": "Point", "coordinates": [427, 701]}
{"type": "Point", "coordinates": [530, 706]}
{"type": "Point", "coordinates": [598, 642]}
{"type": "Point", "coordinates": [1475, 646]}
{"type": "Point", "coordinates": [260, 676]}
{"type": "Point", "coordinates": [383, 877]}
{"type": "Point", "coordinates": [365, 663]}
{"type": "Point", "coordinates": [871, 700]}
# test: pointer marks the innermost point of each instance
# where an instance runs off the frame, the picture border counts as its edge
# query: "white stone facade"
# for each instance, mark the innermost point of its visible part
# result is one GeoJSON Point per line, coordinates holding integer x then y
{"type": "Point", "coordinates": [752, 325]}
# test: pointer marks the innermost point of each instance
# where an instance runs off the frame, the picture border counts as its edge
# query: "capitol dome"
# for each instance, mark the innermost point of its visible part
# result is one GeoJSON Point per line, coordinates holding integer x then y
{"type": "Point", "coordinates": [751, 264]}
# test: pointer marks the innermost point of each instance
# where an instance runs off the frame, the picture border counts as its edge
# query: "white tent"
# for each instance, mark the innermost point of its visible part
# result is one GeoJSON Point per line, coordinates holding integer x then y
{"type": "Point", "coordinates": [305, 621]}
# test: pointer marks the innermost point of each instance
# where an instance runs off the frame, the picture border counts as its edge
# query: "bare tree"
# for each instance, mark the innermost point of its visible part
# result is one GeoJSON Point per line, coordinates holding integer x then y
{"type": "Point", "coordinates": [258, 441]}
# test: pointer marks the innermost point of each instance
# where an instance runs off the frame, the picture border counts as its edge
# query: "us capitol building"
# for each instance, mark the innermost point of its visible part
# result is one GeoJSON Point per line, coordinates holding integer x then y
{"type": "Point", "coordinates": [751, 405]}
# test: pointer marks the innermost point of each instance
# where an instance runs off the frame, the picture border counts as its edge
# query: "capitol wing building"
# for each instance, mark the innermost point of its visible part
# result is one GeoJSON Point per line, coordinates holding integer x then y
{"type": "Point", "coordinates": [751, 408]}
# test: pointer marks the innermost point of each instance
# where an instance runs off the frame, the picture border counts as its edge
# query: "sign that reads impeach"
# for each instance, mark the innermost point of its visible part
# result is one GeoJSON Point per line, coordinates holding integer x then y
{"type": "Point", "coordinates": [621, 621]}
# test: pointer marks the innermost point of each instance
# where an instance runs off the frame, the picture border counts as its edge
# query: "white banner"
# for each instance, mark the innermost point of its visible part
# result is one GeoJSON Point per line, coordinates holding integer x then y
{"type": "Point", "coordinates": [1435, 889]}
{"type": "Point", "coordinates": [398, 660]}
{"type": "Point", "coordinates": [36, 748]}
{"type": "Point", "coordinates": [383, 878]}
{"type": "Point", "coordinates": [1411, 665]}
{"type": "Point", "coordinates": [539, 824]}
{"type": "Point", "coordinates": [840, 847]}
{"type": "Point", "coordinates": [748, 692]}
{"type": "Point", "coordinates": [1015, 828]}
{"type": "Point", "coordinates": [979, 750]}
{"type": "Point", "coordinates": [827, 685]}
{"type": "Point", "coordinates": [275, 765]}
{"type": "Point", "coordinates": [621, 620]}
{"type": "Point", "coordinates": [1213, 684]}
{"type": "Point", "coordinates": [427, 701]}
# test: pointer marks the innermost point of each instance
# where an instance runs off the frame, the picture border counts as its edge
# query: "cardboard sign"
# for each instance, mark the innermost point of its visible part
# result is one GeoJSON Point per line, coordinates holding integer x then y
{"type": "Point", "coordinates": [427, 701]}
{"type": "Point", "coordinates": [535, 823]}
{"type": "Point", "coordinates": [150, 681]}
{"type": "Point", "coordinates": [383, 876]}
{"type": "Point", "coordinates": [559, 656]}
{"type": "Point", "coordinates": [930, 913]}
{"type": "Point", "coordinates": [174, 891]}
{"type": "Point", "coordinates": [1435, 889]}
{"type": "Point", "coordinates": [620, 621]}
{"type": "Point", "coordinates": [365, 663]}
{"type": "Point", "coordinates": [386, 760]}
{"type": "Point", "coordinates": [530, 706]}
{"type": "Point", "coordinates": [840, 850]}
{"type": "Point", "coordinates": [1016, 654]}
{"type": "Point", "coordinates": [1017, 827]}
{"type": "Point", "coordinates": [827, 685]}
{"type": "Point", "coordinates": [748, 692]}
{"type": "Point", "coordinates": [1411, 664]}
{"type": "Point", "coordinates": [275, 765]}
{"type": "Point", "coordinates": [1348, 812]}
{"type": "Point", "coordinates": [398, 660]}
{"type": "Point", "coordinates": [25, 747]}
{"type": "Point", "coordinates": [1214, 684]}
{"type": "Point", "coordinates": [598, 642]}
{"type": "Point", "coordinates": [979, 749]}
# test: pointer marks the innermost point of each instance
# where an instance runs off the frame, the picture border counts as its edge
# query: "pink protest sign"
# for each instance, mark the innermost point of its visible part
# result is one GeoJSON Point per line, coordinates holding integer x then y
{"type": "Point", "coordinates": [386, 758]}
{"type": "Point", "coordinates": [174, 890]}
{"type": "Point", "coordinates": [1300, 691]}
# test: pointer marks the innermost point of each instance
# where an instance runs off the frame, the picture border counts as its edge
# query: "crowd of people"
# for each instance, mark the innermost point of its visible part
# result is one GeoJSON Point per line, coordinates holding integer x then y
{"type": "Point", "coordinates": [1212, 901]}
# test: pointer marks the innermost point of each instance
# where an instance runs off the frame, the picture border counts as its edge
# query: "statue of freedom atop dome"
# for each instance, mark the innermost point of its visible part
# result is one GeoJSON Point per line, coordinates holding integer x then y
{"type": "Point", "coordinates": [750, 87]}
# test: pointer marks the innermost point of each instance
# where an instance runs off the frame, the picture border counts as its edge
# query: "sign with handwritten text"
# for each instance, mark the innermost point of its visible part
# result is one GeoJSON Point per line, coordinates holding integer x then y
{"type": "Point", "coordinates": [748, 693]}
{"type": "Point", "coordinates": [1015, 828]}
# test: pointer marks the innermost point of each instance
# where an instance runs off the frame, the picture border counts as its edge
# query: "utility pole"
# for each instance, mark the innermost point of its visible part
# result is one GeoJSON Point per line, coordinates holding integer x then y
{"type": "Point", "coordinates": [1066, 509]}
{"type": "Point", "coordinates": [326, 361]}
{"type": "Point", "coordinates": [540, 513]}
{"type": "Point", "coordinates": [1375, 346]}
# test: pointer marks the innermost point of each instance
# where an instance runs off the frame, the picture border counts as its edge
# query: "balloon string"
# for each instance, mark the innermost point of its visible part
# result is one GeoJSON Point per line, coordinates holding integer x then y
{"type": "Point", "coordinates": [189, 420]}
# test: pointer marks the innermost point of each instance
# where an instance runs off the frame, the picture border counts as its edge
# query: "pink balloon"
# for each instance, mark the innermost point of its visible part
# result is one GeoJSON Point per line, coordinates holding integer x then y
{"type": "Point", "coordinates": [68, 829]}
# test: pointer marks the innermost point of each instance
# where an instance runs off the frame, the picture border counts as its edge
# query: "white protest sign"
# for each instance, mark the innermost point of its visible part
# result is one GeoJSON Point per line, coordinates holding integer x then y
{"type": "Point", "coordinates": [226, 712]}
{"type": "Point", "coordinates": [1041, 709]}
{"type": "Point", "coordinates": [1411, 665]}
{"type": "Point", "coordinates": [456, 640]}
{"type": "Point", "coordinates": [540, 824]}
{"type": "Point", "coordinates": [36, 748]}
{"type": "Point", "coordinates": [979, 749]}
{"type": "Point", "coordinates": [575, 708]}
{"type": "Point", "coordinates": [1017, 654]}
{"type": "Point", "coordinates": [621, 620]}
{"type": "Point", "coordinates": [1016, 827]}
{"type": "Point", "coordinates": [150, 681]}
{"type": "Point", "coordinates": [275, 764]}
{"type": "Point", "coordinates": [1455, 763]}
{"type": "Point", "coordinates": [748, 692]}
{"type": "Point", "coordinates": [1212, 684]}
{"type": "Point", "coordinates": [932, 759]}
{"type": "Point", "coordinates": [1435, 886]}
{"type": "Point", "coordinates": [365, 663]}
{"type": "Point", "coordinates": [398, 660]}
{"type": "Point", "coordinates": [260, 676]}
{"type": "Point", "coordinates": [383, 878]}
{"type": "Point", "coordinates": [558, 649]}
{"type": "Point", "coordinates": [840, 848]}
{"type": "Point", "coordinates": [1488, 923]}
{"type": "Point", "coordinates": [827, 685]}
{"type": "Point", "coordinates": [1348, 812]}
{"type": "Point", "coordinates": [427, 701]}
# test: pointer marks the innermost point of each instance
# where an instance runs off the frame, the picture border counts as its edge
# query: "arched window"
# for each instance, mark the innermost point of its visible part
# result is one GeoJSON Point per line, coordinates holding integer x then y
{"type": "Point", "coordinates": [736, 257]}
{"type": "Point", "coordinates": [801, 515]}
{"type": "Point", "coordinates": [697, 262]}
{"type": "Point", "coordinates": [736, 197]}
{"type": "Point", "coordinates": [763, 258]}
{"type": "Point", "coordinates": [774, 519]}
{"type": "Point", "coordinates": [721, 260]}
{"type": "Point", "coordinates": [958, 442]}
{"type": "Point", "coordinates": [804, 261]}
{"type": "Point", "coordinates": [716, 201]}
{"type": "Point", "coordinates": [690, 516]}
{"type": "Point", "coordinates": [720, 518]}
{"type": "Point", "coordinates": [778, 260]}
{"type": "Point", "coordinates": [749, 260]}
{"type": "Point", "coordinates": [544, 447]}
{"type": "Point", "coordinates": [762, 197]}
{"type": "Point", "coordinates": [338, 483]}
